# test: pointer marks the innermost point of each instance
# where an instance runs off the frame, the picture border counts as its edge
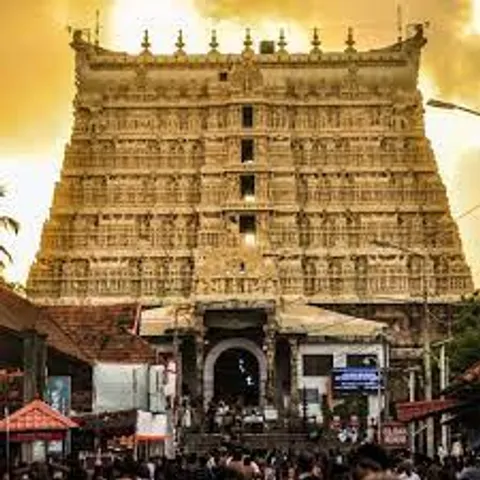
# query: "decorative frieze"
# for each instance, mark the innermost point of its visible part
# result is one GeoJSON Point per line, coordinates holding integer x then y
{"type": "Point", "coordinates": [239, 175]}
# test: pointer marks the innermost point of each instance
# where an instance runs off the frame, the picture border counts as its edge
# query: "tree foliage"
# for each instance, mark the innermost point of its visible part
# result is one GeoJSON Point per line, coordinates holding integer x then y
{"type": "Point", "coordinates": [7, 223]}
{"type": "Point", "coordinates": [464, 350]}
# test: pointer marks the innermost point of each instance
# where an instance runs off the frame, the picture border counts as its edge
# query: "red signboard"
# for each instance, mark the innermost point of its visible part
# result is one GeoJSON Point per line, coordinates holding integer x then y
{"type": "Point", "coordinates": [35, 436]}
{"type": "Point", "coordinates": [395, 435]}
{"type": "Point", "coordinates": [410, 411]}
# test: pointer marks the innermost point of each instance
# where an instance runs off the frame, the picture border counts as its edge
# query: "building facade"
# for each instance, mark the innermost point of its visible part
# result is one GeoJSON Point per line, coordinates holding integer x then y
{"type": "Point", "coordinates": [236, 182]}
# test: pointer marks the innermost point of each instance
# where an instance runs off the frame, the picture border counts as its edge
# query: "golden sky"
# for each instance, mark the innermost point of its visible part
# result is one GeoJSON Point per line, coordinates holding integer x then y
{"type": "Point", "coordinates": [36, 84]}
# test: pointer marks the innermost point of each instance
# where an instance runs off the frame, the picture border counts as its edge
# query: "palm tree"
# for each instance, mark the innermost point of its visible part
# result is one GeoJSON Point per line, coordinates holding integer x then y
{"type": "Point", "coordinates": [10, 224]}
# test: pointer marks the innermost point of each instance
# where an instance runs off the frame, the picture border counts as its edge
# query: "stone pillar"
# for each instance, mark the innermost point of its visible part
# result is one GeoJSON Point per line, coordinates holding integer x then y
{"type": "Point", "coordinates": [269, 348]}
{"type": "Point", "coordinates": [199, 361]}
{"type": "Point", "coordinates": [199, 364]}
{"type": "Point", "coordinates": [34, 365]}
{"type": "Point", "coordinates": [294, 354]}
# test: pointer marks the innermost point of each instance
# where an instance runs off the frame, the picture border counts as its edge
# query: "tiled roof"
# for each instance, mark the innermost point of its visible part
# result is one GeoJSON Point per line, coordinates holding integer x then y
{"type": "Point", "coordinates": [36, 416]}
{"type": "Point", "coordinates": [105, 332]}
{"type": "Point", "coordinates": [19, 314]}
{"type": "Point", "coordinates": [314, 321]}
{"type": "Point", "coordinates": [472, 374]}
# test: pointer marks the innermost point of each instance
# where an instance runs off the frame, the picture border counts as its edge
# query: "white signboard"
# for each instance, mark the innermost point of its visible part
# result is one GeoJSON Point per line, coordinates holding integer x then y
{"type": "Point", "coordinates": [152, 426]}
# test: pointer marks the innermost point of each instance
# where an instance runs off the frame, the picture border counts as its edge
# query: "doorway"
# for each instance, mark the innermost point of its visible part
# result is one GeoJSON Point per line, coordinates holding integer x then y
{"type": "Point", "coordinates": [237, 377]}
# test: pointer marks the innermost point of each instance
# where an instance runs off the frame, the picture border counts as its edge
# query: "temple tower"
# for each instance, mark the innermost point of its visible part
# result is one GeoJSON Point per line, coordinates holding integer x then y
{"type": "Point", "coordinates": [262, 174]}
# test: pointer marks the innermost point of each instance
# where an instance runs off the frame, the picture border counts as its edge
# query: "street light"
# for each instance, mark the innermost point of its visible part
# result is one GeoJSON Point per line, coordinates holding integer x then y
{"type": "Point", "coordinates": [435, 103]}
{"type": "Point", "coordinates": [427, 347]}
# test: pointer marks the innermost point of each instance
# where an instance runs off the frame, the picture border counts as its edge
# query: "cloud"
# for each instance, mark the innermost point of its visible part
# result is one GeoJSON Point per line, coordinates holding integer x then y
{"type": "Point", "coordinates": [36, 85]}
{"type": "Point", "coordinates": [450, 58]}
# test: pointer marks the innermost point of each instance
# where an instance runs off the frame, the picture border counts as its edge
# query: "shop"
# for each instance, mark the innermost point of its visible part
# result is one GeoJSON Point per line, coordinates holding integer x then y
{"type": "Point", "coordinates": [34, 430]}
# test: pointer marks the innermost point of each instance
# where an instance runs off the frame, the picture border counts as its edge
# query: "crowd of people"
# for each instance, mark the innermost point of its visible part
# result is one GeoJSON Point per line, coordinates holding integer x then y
{"type": "Point", "coordinates": [232, 462]}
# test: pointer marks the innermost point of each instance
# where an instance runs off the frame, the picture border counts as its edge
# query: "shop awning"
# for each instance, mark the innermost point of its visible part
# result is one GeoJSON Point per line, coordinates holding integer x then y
{"type": "Point", "coordinates": [36, 416]}
{"type": "Point", "coordinates": [411, 411]}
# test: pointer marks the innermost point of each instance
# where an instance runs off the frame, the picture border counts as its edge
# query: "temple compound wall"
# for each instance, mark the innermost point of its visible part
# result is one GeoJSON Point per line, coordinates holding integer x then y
{"type": "Point", "coordinates": [264, 174]}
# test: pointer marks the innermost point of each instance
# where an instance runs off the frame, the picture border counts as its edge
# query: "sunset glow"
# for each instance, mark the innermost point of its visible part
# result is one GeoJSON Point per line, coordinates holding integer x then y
{"type": "Point", "coordinates": [475, 23]}
{"type": "Point", "coordinates": [30, 177]}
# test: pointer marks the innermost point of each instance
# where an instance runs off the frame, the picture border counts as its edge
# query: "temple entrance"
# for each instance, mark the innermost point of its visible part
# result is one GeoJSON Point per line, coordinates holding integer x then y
{"type": "Point", "coordinates": [237, 377]}
{"type": "Point", "coordinates": [228, 371]}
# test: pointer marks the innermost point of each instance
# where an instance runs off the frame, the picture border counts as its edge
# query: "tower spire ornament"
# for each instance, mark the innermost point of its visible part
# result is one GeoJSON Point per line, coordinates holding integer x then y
{"type": "Point", "coordinates": [213, 42]}
{"type": "Point", "coordinates": [248, 42]}
{"type": "Point", "coordinates": [282, 43]}
{"type": "Point", "coordinates": [316, 41]}
{"type": "Point", "coordinates": [98, 27]}
{"type": "Point", "coordinates": [350, 41]}
{"type": "Point", "coordinates": [146, 41]}
{"type": "Point", "coordinates": [180, 44]}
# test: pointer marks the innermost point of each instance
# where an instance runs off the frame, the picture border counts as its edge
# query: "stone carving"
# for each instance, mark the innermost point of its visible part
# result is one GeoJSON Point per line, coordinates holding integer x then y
{"type": "Point", "coordinates": [152, 174]}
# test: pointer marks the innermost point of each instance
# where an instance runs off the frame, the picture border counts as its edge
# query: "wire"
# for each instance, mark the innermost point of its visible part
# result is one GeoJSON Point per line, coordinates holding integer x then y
{"type": "Point", "coordinates": [467, 212]}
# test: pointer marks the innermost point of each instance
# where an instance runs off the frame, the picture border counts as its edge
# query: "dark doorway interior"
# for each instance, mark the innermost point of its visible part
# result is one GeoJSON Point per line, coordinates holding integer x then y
{"type": "Point", "coordinates": [237, 377]}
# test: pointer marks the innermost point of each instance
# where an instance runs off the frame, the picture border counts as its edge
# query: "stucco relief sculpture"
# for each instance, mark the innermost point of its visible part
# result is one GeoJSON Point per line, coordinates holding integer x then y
{"type": "Point", "coordinates": [313, 155]}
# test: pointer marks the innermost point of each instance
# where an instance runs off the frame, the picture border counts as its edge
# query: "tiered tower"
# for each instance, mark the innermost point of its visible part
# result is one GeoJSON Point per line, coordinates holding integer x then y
{"type": "Point", "coordinates": [263, 174]}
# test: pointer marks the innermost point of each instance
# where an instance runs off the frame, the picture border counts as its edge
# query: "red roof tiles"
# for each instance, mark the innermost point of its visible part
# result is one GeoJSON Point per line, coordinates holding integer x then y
{"type": "Point", "coordinates": [472, 374]}
{"type": "Point", "coordinates": [104, 332]}
{"type": "Point", "coordinates": [36, 416]}
{"type": "Point", "coordinates": [19, 314]}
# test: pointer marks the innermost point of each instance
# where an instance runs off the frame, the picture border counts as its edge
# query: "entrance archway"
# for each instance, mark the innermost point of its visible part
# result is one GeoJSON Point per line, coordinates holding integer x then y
{"type": "Point", "coordinates": [237, 376]}
{"type": "Point", "coordinates": [242, 344]}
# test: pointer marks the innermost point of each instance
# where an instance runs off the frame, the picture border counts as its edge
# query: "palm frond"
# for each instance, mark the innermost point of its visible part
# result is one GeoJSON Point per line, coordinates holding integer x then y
{"type": "Point", "coordinates": [5, 253]}
{"type": "Point", "coordinates": [9, 223]}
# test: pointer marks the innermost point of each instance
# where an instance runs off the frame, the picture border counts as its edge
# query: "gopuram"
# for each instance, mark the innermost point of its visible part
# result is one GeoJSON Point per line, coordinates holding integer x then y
{"type": "Point", "coordinates": [253, 191]}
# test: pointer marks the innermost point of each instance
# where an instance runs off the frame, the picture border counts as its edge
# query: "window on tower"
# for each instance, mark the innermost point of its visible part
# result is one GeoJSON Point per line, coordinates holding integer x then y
{"type": "Point", "coordinates": [248, 229]}
{"type": "Point", "coordinates": [247, 188]}
{"type": "Point", "coordinates": [247, 150]}
{"type": "Point", "coordinates": [247, 116]}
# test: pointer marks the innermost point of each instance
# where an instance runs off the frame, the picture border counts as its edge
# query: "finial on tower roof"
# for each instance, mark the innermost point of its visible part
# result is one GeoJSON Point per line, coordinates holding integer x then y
{"type": "Point", "coordinates": [97, 28]}
{"type": "Point", "coordinates": [146, 40]}
{"type": "Point", "coordinates": [248, 42]}
{"type": "Point", "coordinates": [350, 41]}
{"type": "Point", "coordinates": [316, 40]}
{"type": "Point", "coordinates": [180, 43]}
{"type": "Point", "coordinates": [214, 42]}
{"type": "Point", "coordinates": [282, 43]}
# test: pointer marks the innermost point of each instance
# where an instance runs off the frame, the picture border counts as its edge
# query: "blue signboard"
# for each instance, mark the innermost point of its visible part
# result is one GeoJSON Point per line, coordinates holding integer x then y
{"type": "Point", "coordinates": [356, 380]}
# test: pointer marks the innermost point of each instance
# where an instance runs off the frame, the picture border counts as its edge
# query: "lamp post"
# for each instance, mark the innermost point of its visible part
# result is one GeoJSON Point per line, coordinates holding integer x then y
{"type": "Point", "coordinates": [440, 104]}
{"type": "Point", "coordinates": [426, 340]}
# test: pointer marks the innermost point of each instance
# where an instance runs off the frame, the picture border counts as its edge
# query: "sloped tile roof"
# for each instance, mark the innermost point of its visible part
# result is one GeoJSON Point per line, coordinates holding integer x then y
{"type": "Point", "coordinates": [36, 416]}
{"type": "Point", "coordinates": [315, 321]}
{"type": "Point", "coordinates": [19, 314]}
{"type": "Point", "coordinates": [471, 375]}
{"type": "Point", "coordinates": [105, 331]}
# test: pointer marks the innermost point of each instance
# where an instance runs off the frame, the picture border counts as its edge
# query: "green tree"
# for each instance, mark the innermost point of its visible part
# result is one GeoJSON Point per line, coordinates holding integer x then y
{"type": "Point", "coordinates": [7, 223]}
{"type": "Point", "coordinates": [464, 350]}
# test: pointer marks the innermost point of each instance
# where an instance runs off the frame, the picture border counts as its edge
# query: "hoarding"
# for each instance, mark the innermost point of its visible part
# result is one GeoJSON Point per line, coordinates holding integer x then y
{"type": "Point", "coordinates": [356, 380]}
